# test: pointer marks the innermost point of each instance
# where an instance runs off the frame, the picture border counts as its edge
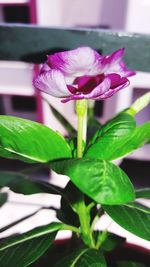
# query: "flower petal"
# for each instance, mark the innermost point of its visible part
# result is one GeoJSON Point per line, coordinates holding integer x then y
{"type": "Point", "coordinates": [77, 62]}
{"type": "Point", "coordinates": [116, 80]}
{"type": "Point", "coordinates": [45, 67]}
{"type": "Point", "coordinates": [86, 84]}
{"type": "Point", "coordinates": [95, 94]}
{"type": "Point", "coordinates": [53, 83]}
{"type": "Point", "coordinates": [100, 89]}
{"type": "Point", "coordinates": [114, 57]}
{"type": "Point", "coordinates": [124, 71]}
{"type": "Point", "coordinates": [111, 92]}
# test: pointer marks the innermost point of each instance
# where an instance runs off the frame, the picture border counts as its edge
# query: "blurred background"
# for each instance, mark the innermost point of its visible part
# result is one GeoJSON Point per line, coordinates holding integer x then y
{"type": "Point", "coordinates": [18, 97]}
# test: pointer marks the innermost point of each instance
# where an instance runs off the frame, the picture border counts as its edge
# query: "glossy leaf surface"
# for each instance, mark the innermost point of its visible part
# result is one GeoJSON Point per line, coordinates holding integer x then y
{"type": "Point", "coordinates": [83, 257]}
{"type": "Point", "coordinates": [120, 147]}
{"type": "Point", "coordinates": [133, 217]}
{"type": "Point", "coordinates": [24, 254]}
{"type": "Point", "coordinates": [108, 141]}
{"type": "Point", "coordinates": [30, 141]}
{"type": "Point", "coordinates": [100, 180]}
{"type": "Point", "coordinates": [34, 233]}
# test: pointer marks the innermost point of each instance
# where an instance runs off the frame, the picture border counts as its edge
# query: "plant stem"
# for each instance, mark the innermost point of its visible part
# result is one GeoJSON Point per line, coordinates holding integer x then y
{"type": "Point", "coordinates": [71, 228]}
{"type": "Point", "coordinates": [84, 217]}
{"type": "Point", "coordinates": [81, 110]}
{"type": "Point", "coordinates": [82, 210]}
{"type": "Point", "coordinates": [101, 238]}
{"type": "Point", "coordinates": [80, 136]}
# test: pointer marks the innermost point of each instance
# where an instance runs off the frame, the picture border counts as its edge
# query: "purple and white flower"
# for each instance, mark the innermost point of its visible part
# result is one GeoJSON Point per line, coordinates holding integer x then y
{"type": "Point", "coordinates": [82, 73]}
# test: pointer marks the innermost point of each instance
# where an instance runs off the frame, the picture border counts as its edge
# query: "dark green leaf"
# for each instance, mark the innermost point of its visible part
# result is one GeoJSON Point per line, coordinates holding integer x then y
{"type": "Point", "coordinates": [71, 197]}
{"type": "Point", "coordinates": [30, 141]}
{"type": "Point", "coordinates": [143, 193]}
{"type": "Point", "coordinates": [112, 241]}
{"type": "Point", "coordinates": [21, 250]}
{"type": "Point", "coordinates": [20, 183]}
{"type": "Point", "coordinates": [129, 264]}
{"type": "Point", "coordinates": [100, 180]}
{"type": "Point", "coordinates": [93, 126]}
{"type": "Point", "coordinates": [73, 147]}
{"type": "Point", "coordinates": [34, 233]}
{"type": "Point", "coordinates": [108, 141]}
{"type": "Point", "coordinates": [24, 254]}
{"type": "Point", "coordinates": [3, 198]}
{"type": "Point", "coordinates": [133, 217]}
{"type": "Point", "coordinates": [83, 257]}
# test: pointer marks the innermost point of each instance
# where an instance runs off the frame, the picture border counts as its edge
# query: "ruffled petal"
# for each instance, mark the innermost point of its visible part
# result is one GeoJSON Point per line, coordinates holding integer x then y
{"type": "Point", "coordinates": [124, 71]}
{"type": "Point", "coordinates": [78, 62]}
{"type": "Point", "coordinates": [114, 64]}
{"type": "Point", "coordinates": [53, 83]}
{"type": "Point", "coordinates": [116, 80]}
{"type": "Point", "coordinates": [114, 57]}
{"type": "Point", "coordinates": [111, 92]}
{"type": "Point", "coordinates": [100, 89]}
{"type": "Point", "coordinates": [86, 84]}
{"type": "Point", "coordinates": [94, 94]}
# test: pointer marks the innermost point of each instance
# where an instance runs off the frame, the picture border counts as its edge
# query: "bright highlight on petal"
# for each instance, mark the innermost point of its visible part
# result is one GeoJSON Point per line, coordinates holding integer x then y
{"type": "Point", "coordinates": [82, 73]}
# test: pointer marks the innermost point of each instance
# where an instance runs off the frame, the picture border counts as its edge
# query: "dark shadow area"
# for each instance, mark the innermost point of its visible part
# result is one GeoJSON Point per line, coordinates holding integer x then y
{"type": "Point", "coordinates": [138, 172]}
{"type": "Point", "coordinates": [16, 14]}
{"type": "Point", "coordinates": [24, 103]}
{"type": "Point", "coordinates": [35, 170]}
{"type": "Point", "coordinates": [39, 57]}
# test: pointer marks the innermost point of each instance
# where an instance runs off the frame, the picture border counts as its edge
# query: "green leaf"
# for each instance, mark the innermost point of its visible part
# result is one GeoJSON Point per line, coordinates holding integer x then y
{"type": "Point", "coordinates": [71, 197]}
{"type": "Point", "coordinates": [34, 233]}
{"type": "Point", "coordinates": [143, 193]}
{"type": "Point", "coordinates": [30, 141]}
{"type": "Point", "coordinates": [129, 264]}
{"type": "Point", "coordinates": [108, 141]}
{"type": "Point", "coordinates": [112, 241]}
{"type": "Point", "coordinates": [83, 257]}
{"type": "Point", "coordinates": [3, 198]}
{"type": "Point", "coordinates": [120, 147]}
{"type": "Point", "coordinates": [23, 249]}
{"type": "Point", "coordinates": [100, 180]}
{"type": "Point", "coordinates": [24, 254]}
{"type": "Point", "coordinates": [20, 183]}
{"type": "Point", "coordinates": [133, 217]}
{"type": "Point", "coordinates": [93, 126]}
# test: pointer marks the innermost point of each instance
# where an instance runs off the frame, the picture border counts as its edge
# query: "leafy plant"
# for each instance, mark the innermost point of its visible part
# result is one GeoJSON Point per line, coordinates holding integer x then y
{"type": "Point", "coordinates": [96, 185]}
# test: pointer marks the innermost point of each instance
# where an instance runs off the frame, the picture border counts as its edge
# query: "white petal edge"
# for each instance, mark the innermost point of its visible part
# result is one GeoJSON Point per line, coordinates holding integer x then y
{"type": "Point", "coordinates": [53, 83]}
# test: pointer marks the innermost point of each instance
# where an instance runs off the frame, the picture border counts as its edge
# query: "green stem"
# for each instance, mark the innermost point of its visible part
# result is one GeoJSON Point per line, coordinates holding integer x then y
{"type": "Point", "coordinates": [80, 137]}
{"type": "Point", "coordinates": [84, 217]}
{"type": "Point", "coordinates": [96, 218]}
{"type": "Point", "coordinates": [82, 210]}
{"type": "Point", "coordinates": [101, 238]}
{"type": "Point", "coordinates": [71, 228]}
{"type": "Point", "coordinates": [81, 110]}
